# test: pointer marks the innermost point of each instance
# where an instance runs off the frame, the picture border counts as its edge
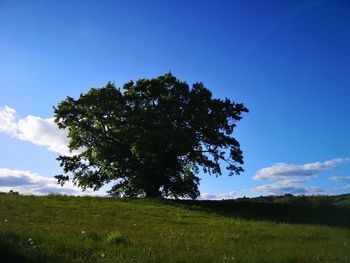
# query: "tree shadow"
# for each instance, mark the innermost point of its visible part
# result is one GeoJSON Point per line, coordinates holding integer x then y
{"type": "Point", "coordinates": [295, 212]}
{"type": "Point", "coordinates": [9, 251]}
{"type": "Point", "coordinates": [10, 254]}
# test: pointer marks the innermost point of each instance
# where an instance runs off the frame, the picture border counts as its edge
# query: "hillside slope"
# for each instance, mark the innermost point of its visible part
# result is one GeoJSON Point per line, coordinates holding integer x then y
{"type": "Point", "coordinates": [91, 229]}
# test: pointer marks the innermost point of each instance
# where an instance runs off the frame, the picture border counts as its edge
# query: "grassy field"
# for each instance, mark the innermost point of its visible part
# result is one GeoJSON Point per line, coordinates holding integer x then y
{"type": "Point", "coordinates": [91, 229]}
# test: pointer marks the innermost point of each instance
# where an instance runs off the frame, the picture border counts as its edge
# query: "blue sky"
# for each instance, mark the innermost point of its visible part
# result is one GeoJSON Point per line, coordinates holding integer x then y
{"type": "Point", "coordinates": [287, 61]}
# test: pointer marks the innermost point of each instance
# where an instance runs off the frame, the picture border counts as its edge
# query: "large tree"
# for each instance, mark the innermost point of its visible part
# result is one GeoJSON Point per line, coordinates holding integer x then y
{"type": "Point", "coordinates": [149, 139]}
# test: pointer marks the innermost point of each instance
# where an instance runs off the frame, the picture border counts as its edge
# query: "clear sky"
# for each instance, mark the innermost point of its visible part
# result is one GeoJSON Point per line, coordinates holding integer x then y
{"type": "Point", "coordinates": [287, 61]}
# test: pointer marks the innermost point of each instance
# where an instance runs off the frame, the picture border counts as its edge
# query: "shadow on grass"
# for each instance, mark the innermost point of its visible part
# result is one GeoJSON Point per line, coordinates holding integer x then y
{"type": "Point", "coordinates": [9, 254]}
{"type": "Point", "coordinates": [293, 212]}
{"type": "Point", "coordinates": [9, 251]}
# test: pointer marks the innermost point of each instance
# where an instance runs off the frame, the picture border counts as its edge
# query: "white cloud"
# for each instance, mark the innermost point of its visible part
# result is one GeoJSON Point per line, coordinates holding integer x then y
{"type": "Point", "coordinates": [344, 187]}
{"type": "Point", "coordinates": [27, 182]}
{"type": "Point", "coordinates": [290, 178]}
{"type": "Point", "coordinates": [339, 178]}
{"type": "Point", "coordinates": [42, 132]}
{"type": "Point", "coordinates": [7, 120]}
{"type": "Point", "coordinates": [281, 171]}
{"type": "Point", "coordinates": [286, 186]}
{"type": "Point", "coordinates": [220, 196]}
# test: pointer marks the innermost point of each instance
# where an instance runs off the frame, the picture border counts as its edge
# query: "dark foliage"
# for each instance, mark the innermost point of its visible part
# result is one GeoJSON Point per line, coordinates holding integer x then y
{"type": "Point", "coordinates": [315, 210]}
{"type": "Point", "coordinates": [149, 139]}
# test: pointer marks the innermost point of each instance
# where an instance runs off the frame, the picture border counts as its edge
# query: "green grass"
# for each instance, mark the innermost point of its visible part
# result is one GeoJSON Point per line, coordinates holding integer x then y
{"type": "Point", "coordinates": [115, 237]}
{"type": "Point", "coordinates": [91, 229]}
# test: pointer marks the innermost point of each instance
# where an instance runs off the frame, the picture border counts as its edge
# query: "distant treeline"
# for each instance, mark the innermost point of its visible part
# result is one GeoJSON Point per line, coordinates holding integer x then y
{"type": "Point", "coordinates": [11, 192]}
{"type": "Point", "coordinates": [343, 199]}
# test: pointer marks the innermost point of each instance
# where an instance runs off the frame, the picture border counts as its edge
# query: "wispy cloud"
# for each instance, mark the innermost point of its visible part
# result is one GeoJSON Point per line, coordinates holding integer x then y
{"type": "Point", "coordinates": [39, 131]}
{"type": "Point", "coordinates": [286, 186]}
{"type": "Point", "coordinates": [290, 178]}
{"type": "Point", "coordinates": [281, 171]}
{"type": "Point", "coordinates": [27, 182]}
{"type": "Point", "coordinates": [344, 187]}
{"type": "Point", "coordinates": [340, 178]}
{"type": "Point", "coordinates": [220, 196]}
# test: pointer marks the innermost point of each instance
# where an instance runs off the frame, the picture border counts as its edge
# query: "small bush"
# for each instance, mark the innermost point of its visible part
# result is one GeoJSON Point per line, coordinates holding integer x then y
{"type": "Point", "coordinates": [115, 237]}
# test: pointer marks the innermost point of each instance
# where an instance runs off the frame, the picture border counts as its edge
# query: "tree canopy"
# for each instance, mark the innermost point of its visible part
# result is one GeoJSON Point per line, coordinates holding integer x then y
{"type": "Point", "coordinates": [149, 139]}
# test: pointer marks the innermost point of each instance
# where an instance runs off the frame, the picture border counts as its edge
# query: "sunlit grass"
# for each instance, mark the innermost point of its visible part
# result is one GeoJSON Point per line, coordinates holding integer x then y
{"type": "Point", "coordinates": [86, 229]}
{"type": "Point", "coordinates": [115, 237]}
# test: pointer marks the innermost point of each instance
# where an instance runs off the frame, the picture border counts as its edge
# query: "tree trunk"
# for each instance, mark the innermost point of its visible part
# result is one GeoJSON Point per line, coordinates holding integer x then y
{"type": "Point", "coordinates": [153, 192]}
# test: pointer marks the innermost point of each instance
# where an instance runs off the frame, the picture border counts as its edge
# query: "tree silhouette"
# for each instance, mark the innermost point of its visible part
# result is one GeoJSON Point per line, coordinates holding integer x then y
{"type": "Point", "coordinates": [150, 139]}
